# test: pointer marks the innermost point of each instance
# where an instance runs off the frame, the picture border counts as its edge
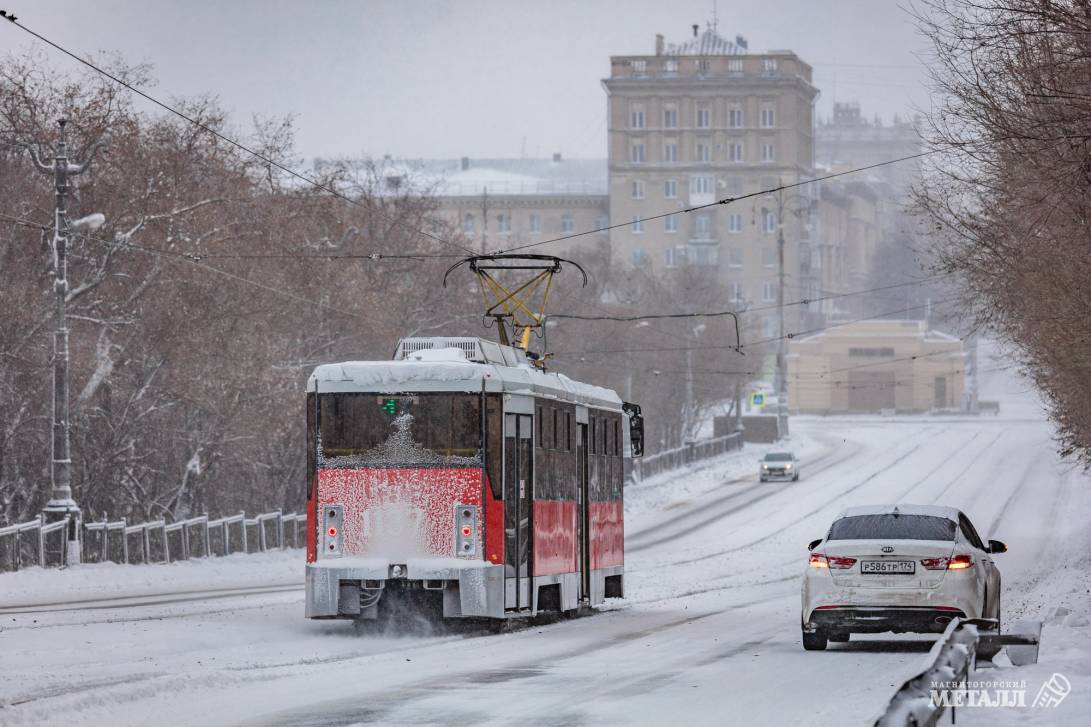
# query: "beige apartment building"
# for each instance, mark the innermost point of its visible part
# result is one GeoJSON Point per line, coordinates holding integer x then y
{"type": "Point", "coordinates": [874, 366]}
{"type": "Point", "coordinates": [700, 121]}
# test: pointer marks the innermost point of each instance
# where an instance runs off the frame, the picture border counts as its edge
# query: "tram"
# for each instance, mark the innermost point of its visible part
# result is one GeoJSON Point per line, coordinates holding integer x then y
{"type": "Point", "coordinates": [462, 479]}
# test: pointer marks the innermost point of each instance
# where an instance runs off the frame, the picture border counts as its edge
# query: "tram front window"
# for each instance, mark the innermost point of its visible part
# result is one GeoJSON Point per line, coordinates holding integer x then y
{"type": "Point", "coordinates": [362, 430]}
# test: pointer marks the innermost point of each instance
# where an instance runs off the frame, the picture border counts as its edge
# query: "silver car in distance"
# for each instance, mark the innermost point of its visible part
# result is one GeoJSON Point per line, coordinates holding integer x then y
{"type": "Point", "coordinates": [901, 568]}
{"type": "Point", "coordinates": [778, 466]}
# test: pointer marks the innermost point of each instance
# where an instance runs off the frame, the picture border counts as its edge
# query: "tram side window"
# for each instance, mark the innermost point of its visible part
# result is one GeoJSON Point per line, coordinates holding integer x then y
{"type": "Point", "coordinates": [494, 445]}
{"type": "Point", "coordinates": [556, 434]}
{"type": "Point", "coordinates": [568, 431]}
{"type": "Point", "coordinates": [591, 438]}
{"type": "Point", "coordinates": [617, 438]}
{"type": "Point", "coordinates": [540, 428]}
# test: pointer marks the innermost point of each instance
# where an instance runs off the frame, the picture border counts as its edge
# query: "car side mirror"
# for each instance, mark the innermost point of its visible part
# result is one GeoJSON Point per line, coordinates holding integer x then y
{"type": "Point", "coordinates": [996, 546]}
{"type": "Point", "coordinates": [813, 544]}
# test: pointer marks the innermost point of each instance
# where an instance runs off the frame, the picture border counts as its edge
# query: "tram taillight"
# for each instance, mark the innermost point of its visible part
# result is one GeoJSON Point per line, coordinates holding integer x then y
{"type": "Point", "coordinates": [465, 531]}
{"type": "Point", "coordinates": [331, 540]}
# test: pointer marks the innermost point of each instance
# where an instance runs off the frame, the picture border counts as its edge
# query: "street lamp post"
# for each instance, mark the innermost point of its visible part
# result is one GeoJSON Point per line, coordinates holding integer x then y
{"type": "Point", "coordinates": [61, 504]}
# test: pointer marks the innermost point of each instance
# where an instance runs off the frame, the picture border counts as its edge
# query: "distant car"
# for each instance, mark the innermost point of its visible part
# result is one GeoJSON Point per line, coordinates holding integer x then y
{"type": "Point", "coordinates": [779, 466]}
{"type": "Point", "coordinates": [901, 568]}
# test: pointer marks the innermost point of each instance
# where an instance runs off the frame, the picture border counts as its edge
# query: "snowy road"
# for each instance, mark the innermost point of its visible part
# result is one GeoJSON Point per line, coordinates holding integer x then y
{"type": "Point", "coordinates": [709, 630]}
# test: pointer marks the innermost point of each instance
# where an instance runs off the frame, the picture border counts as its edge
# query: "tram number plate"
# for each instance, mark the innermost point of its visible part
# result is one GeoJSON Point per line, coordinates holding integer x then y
{"type": "Point", "coordinates": [883, 567]}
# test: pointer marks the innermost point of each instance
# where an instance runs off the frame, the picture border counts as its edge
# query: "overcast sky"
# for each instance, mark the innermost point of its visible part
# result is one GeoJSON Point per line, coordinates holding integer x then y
{"type": "Point", "coordinates": [451, 78]}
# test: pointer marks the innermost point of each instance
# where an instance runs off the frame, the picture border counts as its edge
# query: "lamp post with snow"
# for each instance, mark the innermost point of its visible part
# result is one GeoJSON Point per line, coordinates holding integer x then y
{"type": "Point", "coordinates": [61, 504]}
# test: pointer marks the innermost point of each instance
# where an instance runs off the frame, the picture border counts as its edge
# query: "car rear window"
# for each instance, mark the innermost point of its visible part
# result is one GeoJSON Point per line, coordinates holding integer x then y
{"type": "Point", "coordinates": [893, 527]}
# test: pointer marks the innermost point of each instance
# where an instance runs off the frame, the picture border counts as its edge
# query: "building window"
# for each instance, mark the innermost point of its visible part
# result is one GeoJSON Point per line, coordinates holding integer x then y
{"type": "Point", "coordinates": [734, 65]}
{"type": "Point", "coordinates": [670, 152]}
{"type": "Point", "coordinates": [637, 153]}
{"type": "Point", "coordinates": [768, 153]}
{"type": "Point", "coordinates": [638, 189]}
{"type": "Point", "coordinates": [734, 117]}
{"type": "Point", "coordinates": [601, 223]}
{"type": "Point", "coordinates": [768, 292]}
{"type": "Point", "coordinates": [670, 66]}
{"type": "Point", "coordinates": [703, 152]}
{"type": "Point", "coordinates": [735, 292]}
{"type": "Point", "coordinates": [704, 118]}
{"type": "Point", "coordinates": [734, 223]}
{"type": "Point", "coordinates": [702, 185]}
{"type": "Point", "coordinates": [768, 119]}
{"type": "Point", "coordinates": [768, 257]}
{"type": "Point", "coordinates": [769, 66]}
{"type": "Point", "coordinates": [568, 224]}
{"type": "Point", "coordinates": [703, 227]}
{"type": "Point", "coordinates": [670, 189]}
{"type": "Point", "coordinates": [636, 117]}
{"type": "Point", "coordinates": [468, 224]}
{"type": "Point", "coordinates": [503, 222]}
{"type": "Point", "coordinates": [768, 222]}
{"type": "Point", "coordinates": [704, 255]}
{"type": "Point", "coordinates": [640, 67]}
{"type": "Point", "coordinates": [638, 225]}
{"type": "Point", "coordinates": [675, 256]}
{"type": "Point", "coordinates": [670, 223]}
{"type": "Point", "coordinates": [703, 66]}
{"type": "Point", "coordinates": [734, 257]}
{"type": "Point", "coordinates": [735, 152]}
{"type": "Point", "coordinates": [535, 224]}
{"type": "Point", "coordinates": [670, 117]}
{"type": "Point", "coordinates": [639, 256]}
{"type": "Point", "coordinates": [769, 327]}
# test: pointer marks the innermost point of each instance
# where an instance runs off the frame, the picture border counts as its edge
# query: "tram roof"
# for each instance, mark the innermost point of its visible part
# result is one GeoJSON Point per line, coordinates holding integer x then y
{"type": "Point", "coordinates": [464, 366]}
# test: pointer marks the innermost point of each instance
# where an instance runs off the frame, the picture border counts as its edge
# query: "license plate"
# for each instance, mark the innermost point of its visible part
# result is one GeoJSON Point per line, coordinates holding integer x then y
{"type": "Point", "coordinates": [888, 566]}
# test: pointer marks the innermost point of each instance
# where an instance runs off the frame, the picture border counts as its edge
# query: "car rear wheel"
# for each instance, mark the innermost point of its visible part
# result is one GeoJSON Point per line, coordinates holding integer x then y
{"type": "Point", "coordinates": [816, 641]}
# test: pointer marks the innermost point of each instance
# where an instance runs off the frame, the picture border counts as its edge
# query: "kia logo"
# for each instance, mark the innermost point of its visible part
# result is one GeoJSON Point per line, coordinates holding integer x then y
{"type": "Point", "coordinates": [888, 548]}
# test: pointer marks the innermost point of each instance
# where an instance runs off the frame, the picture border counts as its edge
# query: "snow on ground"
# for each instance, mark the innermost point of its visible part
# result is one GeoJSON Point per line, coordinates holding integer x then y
{"type": "Point", "coordinates": [708, 631]}
{"type": "Point", "coordinates": [97, 581]}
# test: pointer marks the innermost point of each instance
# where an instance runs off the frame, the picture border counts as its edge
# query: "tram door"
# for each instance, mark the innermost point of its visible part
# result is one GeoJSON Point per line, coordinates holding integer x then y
{"type": "Point", "coordinates": [518, 496]}
{"type": "Point", "coordinates": [583, 524]}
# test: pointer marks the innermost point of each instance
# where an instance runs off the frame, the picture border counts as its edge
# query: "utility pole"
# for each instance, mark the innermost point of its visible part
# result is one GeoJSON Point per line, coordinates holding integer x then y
{"type": "Point", "coordinates": [61, 504]}
{"type": "Point", "coordinates": [484, 219]}
{"type": "Point", "coordinates": [782, 343]}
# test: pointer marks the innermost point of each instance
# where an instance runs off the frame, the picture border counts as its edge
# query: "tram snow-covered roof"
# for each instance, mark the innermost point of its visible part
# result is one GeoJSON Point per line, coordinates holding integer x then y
{"type": "Point", "coordinates": [456, 364]}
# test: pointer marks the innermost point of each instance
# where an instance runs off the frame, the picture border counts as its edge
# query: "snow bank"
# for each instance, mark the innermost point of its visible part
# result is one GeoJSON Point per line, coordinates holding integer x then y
{"type": "Point", "coordinates": [114, 580]}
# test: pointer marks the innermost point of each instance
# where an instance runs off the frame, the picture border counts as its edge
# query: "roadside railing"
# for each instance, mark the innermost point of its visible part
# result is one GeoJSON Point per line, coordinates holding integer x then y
{"type": "Point", "coordinates": [32, 543]}
{"type": "Point", "coordinates": [922, 699]}
{"type": "Point", "coordinates": [644, 467]}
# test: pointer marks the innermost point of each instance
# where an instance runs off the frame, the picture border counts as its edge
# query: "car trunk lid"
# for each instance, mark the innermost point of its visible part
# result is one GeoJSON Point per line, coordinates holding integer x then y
{"type": "Point", "coordinates": [888, 563]}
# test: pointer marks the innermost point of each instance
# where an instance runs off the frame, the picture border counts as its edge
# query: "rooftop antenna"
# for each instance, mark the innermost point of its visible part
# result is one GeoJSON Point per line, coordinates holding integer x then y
{"type": "Point", "coordinates": [715, 19]}
{"type": "Point", "coordinates": [519, 287]}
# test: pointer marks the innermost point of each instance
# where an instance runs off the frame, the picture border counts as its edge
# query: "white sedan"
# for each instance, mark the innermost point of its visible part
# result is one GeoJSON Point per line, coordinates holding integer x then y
{"type": "Point", "coordinates": [778, 466]}
{"type": "Point", "coordinates": [902, 568]}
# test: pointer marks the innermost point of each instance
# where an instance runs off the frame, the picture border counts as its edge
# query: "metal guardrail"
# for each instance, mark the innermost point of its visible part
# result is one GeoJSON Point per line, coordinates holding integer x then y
{"type": "Point", "coordinates": [152, 542]}
{"type": "Point", "coordinates": [922, 699]}
{"type": "Point", "coordinates": [686, 454]}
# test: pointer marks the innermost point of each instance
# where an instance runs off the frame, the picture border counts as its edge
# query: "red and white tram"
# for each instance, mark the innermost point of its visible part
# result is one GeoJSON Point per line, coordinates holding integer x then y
{"type": "Point", "coordinates": [462, 478]}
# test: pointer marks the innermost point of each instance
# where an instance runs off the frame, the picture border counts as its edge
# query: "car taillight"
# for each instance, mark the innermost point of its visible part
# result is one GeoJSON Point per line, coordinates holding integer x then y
{"type": "Point", "coordinates": [934, 563]}
{"type": "Point", "coordinates": [840, 562]}
{"type": "Point", "coordinates": [818, 561]}
{"type": "Point", "coordinates": [960, 562]}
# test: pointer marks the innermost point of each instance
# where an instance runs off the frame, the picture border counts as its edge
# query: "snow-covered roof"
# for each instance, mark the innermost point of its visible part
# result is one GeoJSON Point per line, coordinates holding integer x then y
{"type": "Point", "coordinates": [448, 369]}
{"type": "Point", "coordinates": [708, 43]}
{"type": "Point", "coordinates": [934, 510]}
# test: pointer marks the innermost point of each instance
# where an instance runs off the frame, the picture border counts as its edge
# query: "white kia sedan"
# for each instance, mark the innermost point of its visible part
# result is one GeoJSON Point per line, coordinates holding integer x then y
{"type": "Point", "coordinates": [902, 568]}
